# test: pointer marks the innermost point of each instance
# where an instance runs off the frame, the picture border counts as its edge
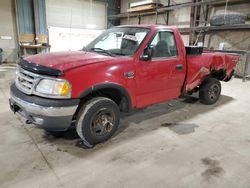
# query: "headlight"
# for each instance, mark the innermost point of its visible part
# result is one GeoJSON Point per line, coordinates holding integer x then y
{"type": "Point", "coordinates": [57, 88]}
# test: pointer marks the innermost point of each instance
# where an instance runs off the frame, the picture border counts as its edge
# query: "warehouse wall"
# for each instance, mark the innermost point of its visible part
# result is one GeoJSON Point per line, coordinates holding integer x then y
{"type": "Point", "coordinates": [8, 36]}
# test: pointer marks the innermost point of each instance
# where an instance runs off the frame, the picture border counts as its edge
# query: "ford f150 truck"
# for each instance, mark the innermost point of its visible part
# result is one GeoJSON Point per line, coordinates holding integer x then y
{"type": "Point", "coordinates": [126, 67]}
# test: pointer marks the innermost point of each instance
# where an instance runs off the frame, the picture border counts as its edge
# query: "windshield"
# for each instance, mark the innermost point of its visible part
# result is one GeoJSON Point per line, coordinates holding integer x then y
{"type": "Point", "coordinates": [122, 41]}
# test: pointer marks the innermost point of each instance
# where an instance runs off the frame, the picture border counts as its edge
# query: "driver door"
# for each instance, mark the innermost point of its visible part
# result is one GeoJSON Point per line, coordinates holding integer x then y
{"type": "Point", "coordinates": [159, 78]}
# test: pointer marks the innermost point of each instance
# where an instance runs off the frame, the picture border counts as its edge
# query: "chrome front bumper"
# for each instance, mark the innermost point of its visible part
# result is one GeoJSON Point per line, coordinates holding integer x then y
{"type": "Point", "coordinates": [44, 111]}
{"type": "Point", "coordinates": [56, 118]}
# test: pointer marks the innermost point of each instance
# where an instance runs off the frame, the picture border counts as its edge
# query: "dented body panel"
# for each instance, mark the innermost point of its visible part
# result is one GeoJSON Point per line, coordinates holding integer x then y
{"type": "Point", "coordinates": [199, 67]}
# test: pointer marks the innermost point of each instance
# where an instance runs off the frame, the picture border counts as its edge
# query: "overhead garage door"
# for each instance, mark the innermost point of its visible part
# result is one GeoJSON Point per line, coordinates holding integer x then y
{"type": "Point", "coordinates": [72, 24]}
{"type": "Point", "coordinates": [80, 14]}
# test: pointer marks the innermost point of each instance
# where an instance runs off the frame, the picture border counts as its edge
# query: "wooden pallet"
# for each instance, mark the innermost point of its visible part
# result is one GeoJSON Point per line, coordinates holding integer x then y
{"type": "Point", "coordinates": [148, 7]}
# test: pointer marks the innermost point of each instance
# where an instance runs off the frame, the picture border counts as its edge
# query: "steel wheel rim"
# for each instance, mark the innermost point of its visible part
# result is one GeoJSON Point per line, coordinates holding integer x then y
{"type": "Point", "coordinates": [213, 92]}
{"type": "Point", "coordinates": [102, 122]}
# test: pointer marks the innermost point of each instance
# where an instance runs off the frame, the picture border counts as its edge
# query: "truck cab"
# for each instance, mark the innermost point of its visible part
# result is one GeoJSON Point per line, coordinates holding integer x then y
{"type": "Point", "coordinates": [126, 67]}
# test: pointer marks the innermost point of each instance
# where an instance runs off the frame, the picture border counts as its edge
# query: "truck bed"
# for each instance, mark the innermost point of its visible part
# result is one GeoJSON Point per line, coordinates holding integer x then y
{"type": "Point", "coordinates": [198, 67]}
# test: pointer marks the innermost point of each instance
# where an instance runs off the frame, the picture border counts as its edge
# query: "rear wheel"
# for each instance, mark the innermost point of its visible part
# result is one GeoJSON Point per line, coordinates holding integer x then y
{"type": "Point", "coordinates": [210, 91]}
{"type": "Point", "coordinates": [97, 120]}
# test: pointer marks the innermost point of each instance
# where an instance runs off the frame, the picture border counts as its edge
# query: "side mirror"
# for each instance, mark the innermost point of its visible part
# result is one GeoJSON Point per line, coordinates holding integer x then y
{"type": "Point", "coordinates": [145, 57]}
{"type": "Point", "coordinates": [147, 54]}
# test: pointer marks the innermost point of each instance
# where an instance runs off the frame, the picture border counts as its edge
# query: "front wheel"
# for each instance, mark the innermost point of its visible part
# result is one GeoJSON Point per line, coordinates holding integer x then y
{"type": "Point", "coordinates": [97, 120]}
{"type": "Point", "coordinates": [210, 91]}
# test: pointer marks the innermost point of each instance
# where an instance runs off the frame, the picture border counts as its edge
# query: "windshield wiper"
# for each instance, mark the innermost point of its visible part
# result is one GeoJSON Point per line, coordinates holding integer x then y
{"type": "Point", "coordinates": [119, 54]}
{"type": "Point", "coordinates": [102, 50]}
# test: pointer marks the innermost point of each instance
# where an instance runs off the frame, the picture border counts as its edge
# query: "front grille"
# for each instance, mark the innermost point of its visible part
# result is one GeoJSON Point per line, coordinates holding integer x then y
{"type": "Point", "coordinates": [25, 80]}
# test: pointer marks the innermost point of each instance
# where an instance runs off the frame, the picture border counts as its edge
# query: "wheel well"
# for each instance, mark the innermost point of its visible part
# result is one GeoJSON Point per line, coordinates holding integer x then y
{"type": "Point", "coordinates": [218, 74]}
{"type": "Point", "coordinates": [110, 93]}
{"type": "Point", "coordinates": [119, 97]}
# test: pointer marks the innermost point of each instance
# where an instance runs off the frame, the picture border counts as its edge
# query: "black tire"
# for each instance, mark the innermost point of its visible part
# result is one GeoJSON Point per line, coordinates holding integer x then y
{"type": "Point", "coordinates": [210, 91]}
{"type": "Point", "coordinates": [97, 120]}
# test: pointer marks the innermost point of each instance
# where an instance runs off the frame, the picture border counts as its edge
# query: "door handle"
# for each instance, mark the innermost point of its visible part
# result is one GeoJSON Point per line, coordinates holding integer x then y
{"type": "Point", "coordinates": [179, 67]}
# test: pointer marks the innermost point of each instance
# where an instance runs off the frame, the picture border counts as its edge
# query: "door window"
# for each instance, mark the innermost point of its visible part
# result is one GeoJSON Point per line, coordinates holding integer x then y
{"type": "Point", "coordinates": [163, 45]}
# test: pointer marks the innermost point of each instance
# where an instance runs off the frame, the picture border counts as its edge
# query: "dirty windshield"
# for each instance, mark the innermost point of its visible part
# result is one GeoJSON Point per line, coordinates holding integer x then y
{"type": "Point", "coordinates": [121, 41]}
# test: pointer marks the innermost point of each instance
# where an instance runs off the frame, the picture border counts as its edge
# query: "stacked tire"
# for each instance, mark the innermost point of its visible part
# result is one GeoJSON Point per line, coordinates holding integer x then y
{"type": "Point", "coordinates": [228, 19]}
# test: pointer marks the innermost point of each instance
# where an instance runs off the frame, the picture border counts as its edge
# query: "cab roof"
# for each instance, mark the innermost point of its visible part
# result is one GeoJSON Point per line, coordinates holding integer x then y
{"type": "Point", "coordinates": [151, 26]}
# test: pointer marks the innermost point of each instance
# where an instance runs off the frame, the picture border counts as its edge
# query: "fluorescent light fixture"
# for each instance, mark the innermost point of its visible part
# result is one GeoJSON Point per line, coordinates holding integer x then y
{"type": "Point", "coordinates": [6, 37]}
{"type": "Point", "coordinates": [91, 26]}
{"type": "Point", "coordinates": [140, 3]}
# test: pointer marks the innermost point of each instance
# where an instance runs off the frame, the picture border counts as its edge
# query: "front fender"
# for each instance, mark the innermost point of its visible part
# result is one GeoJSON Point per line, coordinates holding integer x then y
{"type": "Point", "coordinates": [106, 85]}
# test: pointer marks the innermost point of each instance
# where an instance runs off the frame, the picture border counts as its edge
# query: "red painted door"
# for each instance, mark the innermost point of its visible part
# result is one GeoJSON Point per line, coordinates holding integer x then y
{"type": "Point", "coordinates": [160, 78]}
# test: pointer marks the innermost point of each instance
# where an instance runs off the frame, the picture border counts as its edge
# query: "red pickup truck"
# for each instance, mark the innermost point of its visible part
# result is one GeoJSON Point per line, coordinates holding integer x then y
{"type": "Point", "coordinates": [126, 67]}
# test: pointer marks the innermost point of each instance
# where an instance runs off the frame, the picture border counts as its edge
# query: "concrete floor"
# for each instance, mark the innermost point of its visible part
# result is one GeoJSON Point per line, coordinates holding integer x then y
{"type": "Point", "coordinates": [177, 144]}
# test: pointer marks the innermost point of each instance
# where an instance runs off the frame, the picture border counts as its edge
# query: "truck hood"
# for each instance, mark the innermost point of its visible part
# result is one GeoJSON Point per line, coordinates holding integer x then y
{"type": "Point", "coordinates": [64, 61]}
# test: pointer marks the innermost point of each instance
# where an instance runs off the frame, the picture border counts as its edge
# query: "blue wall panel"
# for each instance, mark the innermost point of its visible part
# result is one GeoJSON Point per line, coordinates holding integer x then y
{"type": "Point", "coordinates": [25, 16]}
{"type": "Point", "coordinates": [40, 12]}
